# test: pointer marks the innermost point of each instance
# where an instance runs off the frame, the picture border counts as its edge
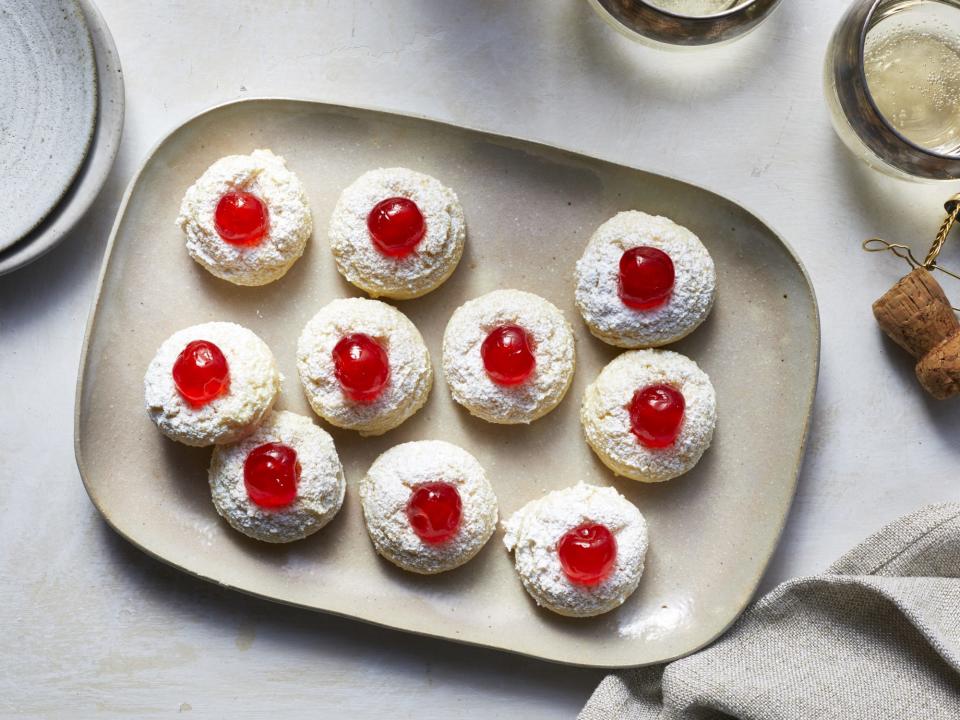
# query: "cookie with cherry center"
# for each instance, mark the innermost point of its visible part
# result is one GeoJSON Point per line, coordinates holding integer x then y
{"type": "Point", "coordinates": [644, 281]}
{"type": "Point", "coordinates": [280, 484]}
{"type": "Point", "coordinates": [508, 356]}
{"type": "Point", "coordinates": [428, 506]}
{"type": "Point", "coordinates": [579, 551]}
{"type": "Point", "coordinates": [211, 384]}
{"type": "Point", "coordinates": [650, 415]}
{"type": "Point", "coordinates": [246, 218]}
{"type": "Point", "coordinates": [363, 365]}
{"type": "Point", "coordinates": [397, 233]}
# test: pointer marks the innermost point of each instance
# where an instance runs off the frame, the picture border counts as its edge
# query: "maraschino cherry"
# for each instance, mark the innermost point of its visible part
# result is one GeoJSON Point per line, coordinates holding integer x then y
{"type": "Point", "coordinates": [240, 218]}
{"type": "Point", "coordinates": [200, 373]}
{"type": "Point", "coordinates": [507, 354]}
{"type": "Point", "coordinates": [361, 366]}
{"type": "Point", "coordinates": [587, 553]}
{"type": "Point", "coordinates": [270, 474]}
{"type": "Point", "coordinates": [656, 415]}
{"type": "Point", "coordinates": [396, 226]}
{"type": "Point", "coordinates": [434, 511]}
{"type": "Point", "coordinates": [646, 278]}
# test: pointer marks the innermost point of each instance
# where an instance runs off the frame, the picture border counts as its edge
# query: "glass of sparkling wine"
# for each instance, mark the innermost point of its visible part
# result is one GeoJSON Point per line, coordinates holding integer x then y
{"type": "Point", "coordinates": [892, 80]}
{"type": "Point", "coordinates": [682, 23]}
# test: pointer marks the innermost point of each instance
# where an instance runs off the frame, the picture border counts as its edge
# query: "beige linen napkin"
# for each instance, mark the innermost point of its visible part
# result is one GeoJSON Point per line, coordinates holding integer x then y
{"type": "Point", "coordinates": [877, 636]}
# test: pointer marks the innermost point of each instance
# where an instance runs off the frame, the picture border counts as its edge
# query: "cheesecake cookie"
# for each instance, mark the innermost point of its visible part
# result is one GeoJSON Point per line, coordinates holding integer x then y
{"type": "Point", "coordinates": [508, 356]}
{"type": "Point", "coordinates": [428, 506]}
{"type": "Point", "coordinates": [579, 551]}
{"type": "Point", "coordinates": [211, 384]}
{"type": "Point", "coordinates": [644, 281]}
{"type": "Point", "coordinates": [650, 414]}
{"type": "Point", "coordinates": [363, 365]}
{"type": "Point", "coordinates": [397, 233]}
{"type": "Point", "coordinates": [280, 484]}
{"type": "Point", "coordinates": [246, 218]}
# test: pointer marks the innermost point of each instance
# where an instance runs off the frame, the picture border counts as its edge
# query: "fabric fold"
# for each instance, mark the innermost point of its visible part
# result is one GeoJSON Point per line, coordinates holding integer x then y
{"type": "Point", "coordinates": [876, 636]}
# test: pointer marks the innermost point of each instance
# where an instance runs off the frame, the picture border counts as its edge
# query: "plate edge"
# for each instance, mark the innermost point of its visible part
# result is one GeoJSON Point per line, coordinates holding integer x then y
{"type": "Point", "coordinates": [97, 28]}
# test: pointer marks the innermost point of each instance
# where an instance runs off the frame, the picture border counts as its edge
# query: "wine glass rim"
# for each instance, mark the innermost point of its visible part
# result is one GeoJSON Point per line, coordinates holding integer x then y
{"type": "Point", "coordinates": [730, 11]}
{"type": "Point", "coordinates": [865, 28]}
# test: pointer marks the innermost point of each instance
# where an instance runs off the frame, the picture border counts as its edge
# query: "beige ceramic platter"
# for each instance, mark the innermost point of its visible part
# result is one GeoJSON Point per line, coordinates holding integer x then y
{"type": "Point", "coordinates": [530, 209]}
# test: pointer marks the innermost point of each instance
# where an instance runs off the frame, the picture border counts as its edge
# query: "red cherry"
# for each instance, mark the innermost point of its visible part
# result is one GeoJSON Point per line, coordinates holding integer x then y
{"type": "Point", "coordinates": [200, 373]}
{"type": "Point", "coordinates": [434, 510]}
{"type": "Point", "coordinates": [656, 415]}
{"type": "Point", "coordinates": [396, 226]}
{"type": "Point", "coordinates": [362, 367]}
{"type": "Point", "coordinates": [587, 553]}
{"type": "Point", "coordinates": [646, 278]}
{"type": "Point", "coordinates": [507, 354]}
{"type": "Point", "coordinates": [270, 474]}
{"type": "Point", "coordinates": [240, 218]}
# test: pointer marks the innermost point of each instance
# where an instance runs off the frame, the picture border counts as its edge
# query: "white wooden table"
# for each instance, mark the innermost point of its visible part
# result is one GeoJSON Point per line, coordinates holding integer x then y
{"type": "Point", "coordinates": [92, 627]}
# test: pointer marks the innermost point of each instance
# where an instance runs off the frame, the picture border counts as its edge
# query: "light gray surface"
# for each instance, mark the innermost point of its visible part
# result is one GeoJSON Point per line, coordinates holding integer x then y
{"type": "Point", "coordinates": [47, 108]}
{"type": "Point", "coordinates": [99, 160]}
{"type": "Point", "coordinates": [97, 626]}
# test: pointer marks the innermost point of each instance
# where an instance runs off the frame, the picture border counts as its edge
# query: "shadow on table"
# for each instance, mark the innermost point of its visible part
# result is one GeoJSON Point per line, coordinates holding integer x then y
{"type": "Point", "coordinates": [229, 612]}
{"type": "Point", "coordinates": [896, 209]}
{"type": "Point", "coordinates": [669, 74]}
{"type": "Point", "coordinates": [32, 292]}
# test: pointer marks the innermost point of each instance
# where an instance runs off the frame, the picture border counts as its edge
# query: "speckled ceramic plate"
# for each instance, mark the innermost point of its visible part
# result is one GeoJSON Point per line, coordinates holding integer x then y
{"type": "Point", "coordinates": [47, 108]}
{"type": "Point", "coordinates": [530, 209]}
{"type": "Point", "coordinates": [95, 167]}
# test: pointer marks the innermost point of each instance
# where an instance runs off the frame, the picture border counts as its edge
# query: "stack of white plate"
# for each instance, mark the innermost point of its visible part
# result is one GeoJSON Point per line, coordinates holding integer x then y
{"type": "Point", "coordinates": [61, 116]}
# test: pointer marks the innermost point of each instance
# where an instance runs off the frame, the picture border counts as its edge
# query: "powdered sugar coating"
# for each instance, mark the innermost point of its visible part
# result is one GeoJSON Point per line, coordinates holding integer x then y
{"type": "Point", "coordinates": [605, 414]}
{"type": "Point", "coordinates": [534, 531]}
{"type": "Point", "coordinates": [320, 489]}
{"type": "Point", "coordinates": [290, 224]}
{"type": "Point", "coordinates": [597, 278]}
{"type": "Point", "coordinates": [254, 386]}
{"type": "Point", "coordinates": [411, 374]}
{"type": "Point", "coordinates": [387, 487]}
{"type": "Point", "coordinates": [553, 348]}
{"type": "Point", "coordinates": [436, 255]}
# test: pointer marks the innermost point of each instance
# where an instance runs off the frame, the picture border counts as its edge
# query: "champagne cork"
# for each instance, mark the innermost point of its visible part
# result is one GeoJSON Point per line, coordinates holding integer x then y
{"type": "Point", "coordinates": [916, 314]}
{"type": "Point", "coordinates": [939, 370]}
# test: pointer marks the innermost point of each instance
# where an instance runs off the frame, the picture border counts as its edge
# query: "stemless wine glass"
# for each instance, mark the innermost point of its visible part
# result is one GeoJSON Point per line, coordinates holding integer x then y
{"type": "Point", "coordinates": [892, 81]}
{"type": "Point", "coordinates": [684, 22]}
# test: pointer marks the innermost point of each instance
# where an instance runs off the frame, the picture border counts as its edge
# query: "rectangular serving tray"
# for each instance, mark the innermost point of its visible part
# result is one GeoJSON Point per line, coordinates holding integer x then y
{"type": "Point", "coordinates": [530, 210]}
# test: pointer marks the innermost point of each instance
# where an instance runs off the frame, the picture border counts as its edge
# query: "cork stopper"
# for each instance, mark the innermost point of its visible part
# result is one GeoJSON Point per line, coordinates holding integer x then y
{"type": "Point", "coordinates": [916, 314]}
{"type": "Point", "coordinates": [939, 370]}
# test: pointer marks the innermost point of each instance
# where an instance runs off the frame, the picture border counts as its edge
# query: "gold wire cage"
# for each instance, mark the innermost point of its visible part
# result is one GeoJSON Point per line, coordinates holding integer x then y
{"type": "Point", "coordinates": [929, 263]}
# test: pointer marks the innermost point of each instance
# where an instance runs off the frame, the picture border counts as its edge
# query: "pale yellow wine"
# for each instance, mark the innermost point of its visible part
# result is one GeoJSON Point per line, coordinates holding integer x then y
{"type": "Point", "coordinates": [912, 64]}
{"type": "Point", "coordinates": [696, 7]}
